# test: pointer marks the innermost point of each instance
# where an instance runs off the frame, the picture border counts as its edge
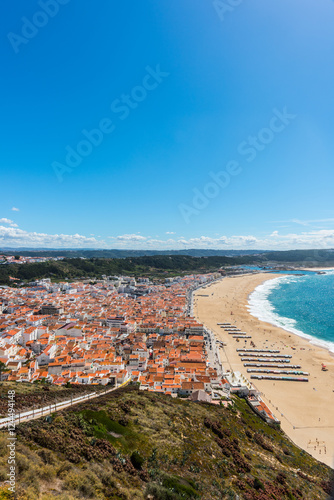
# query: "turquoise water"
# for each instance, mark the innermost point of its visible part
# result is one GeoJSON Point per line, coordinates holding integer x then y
{"type": "Point", "coordinates": [303, 305]}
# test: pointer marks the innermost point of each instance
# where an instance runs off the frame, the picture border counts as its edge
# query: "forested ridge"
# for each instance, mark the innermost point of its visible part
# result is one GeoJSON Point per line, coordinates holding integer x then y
{"type": "Point", "coordinates": [155, 265]}
{"type": "Point", "coordinates": [95, 268]}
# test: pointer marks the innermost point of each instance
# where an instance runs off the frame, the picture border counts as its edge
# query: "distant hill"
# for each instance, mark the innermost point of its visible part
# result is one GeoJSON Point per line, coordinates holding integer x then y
{"type": "Point", "coordinates": [151, 266]}
{"type": "Point", "coordinates": [119, 254]}
{"type": "Point", "coordinates": [155, 265]}
{"type": "Point", "coordinates": [300, 256]}
{"type": "Point", "coordinates": [135, 445]}
{"type": "Point", "coordinates": [286, 256]}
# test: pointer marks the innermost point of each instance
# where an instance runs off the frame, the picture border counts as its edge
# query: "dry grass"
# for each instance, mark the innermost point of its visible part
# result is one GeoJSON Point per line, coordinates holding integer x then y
{"type": "Point", "coordinates": [190, 451]}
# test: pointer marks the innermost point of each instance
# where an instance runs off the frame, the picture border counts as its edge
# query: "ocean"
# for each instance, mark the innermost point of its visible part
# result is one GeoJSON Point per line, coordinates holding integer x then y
{"type": "Point", "coordinates": [303, 305]}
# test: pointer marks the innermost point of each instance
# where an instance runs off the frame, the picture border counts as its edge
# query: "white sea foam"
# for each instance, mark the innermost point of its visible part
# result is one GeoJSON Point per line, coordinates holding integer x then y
{"type": "Point", "coordinates": [260, 306]}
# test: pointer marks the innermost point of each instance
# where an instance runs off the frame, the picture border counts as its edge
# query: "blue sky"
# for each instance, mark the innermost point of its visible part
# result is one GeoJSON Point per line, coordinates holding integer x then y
{"type": "Point", "coordinates": [192, 124]}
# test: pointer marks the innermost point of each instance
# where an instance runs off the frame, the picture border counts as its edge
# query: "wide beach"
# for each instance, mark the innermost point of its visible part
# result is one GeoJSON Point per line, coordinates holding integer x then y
{"type": "Point", "coordinates": [305, 409]}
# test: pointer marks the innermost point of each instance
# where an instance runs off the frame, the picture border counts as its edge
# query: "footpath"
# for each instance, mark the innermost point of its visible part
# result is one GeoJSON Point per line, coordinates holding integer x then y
{"type": "Point", "coordinates": [47, 410]}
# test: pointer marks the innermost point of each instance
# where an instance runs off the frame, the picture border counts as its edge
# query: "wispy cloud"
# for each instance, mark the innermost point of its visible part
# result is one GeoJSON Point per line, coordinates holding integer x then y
{"type": "Point", "coordinates": [309, 222]}
{"type": "Point", "coordinates": [14, 209]}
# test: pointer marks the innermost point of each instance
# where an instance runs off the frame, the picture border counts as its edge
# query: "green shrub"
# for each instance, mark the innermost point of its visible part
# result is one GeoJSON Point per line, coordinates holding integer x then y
{"type": "Point", "coordinates": [22, 463]}
{"type": "Point", "coordinates": [3, 447]}
{"type": "Point", "coordinates": [258, 485]}
{"type": "Point", "coordinates": [63, 469]}
{"type": "Point", "coordinates": [180, 486]}
{"type": "Point", "coordinates": [5, 494]}
{"type": "Point", "coordinates": [137, 460]}
{"type": "Point", "coordinates": [47, 456]}
{"type": "Point", "coordinates": [158, 492]}
{"type": "Point", "coordinates": [3, 474]}
{"type": "Point", "coordinates": [47, 472]}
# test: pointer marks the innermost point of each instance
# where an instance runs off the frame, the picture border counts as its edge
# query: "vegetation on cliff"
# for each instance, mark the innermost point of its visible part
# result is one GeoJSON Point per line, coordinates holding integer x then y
{"type": "Point", "coordinates": [153, 266]}
{"type": "Point", "coordinates": [137, 445]}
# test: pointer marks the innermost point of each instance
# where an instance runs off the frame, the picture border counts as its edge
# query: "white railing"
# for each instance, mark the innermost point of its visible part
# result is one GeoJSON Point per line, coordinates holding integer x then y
{"type": "Point", "coordinates": [23, 416]}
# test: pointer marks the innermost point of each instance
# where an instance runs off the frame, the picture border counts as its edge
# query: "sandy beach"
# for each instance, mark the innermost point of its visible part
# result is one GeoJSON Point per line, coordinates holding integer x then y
{"type": "Point", "coordinates": [306, 409]}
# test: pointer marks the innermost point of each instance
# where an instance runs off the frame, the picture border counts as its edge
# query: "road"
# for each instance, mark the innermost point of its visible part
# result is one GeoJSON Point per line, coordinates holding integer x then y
{"type": "Point", "coordinates": [212, 347]}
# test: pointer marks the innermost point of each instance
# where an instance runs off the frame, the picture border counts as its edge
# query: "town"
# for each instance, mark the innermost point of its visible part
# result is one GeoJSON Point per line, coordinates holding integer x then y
{"type": "Point", "coordinates": [115, 330]}
{"type": "Point", "coordinates": [20, 259]}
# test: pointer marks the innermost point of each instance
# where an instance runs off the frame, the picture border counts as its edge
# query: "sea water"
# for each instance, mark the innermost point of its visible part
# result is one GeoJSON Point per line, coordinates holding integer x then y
{"type": "Point", "coordinates": [303, 305]}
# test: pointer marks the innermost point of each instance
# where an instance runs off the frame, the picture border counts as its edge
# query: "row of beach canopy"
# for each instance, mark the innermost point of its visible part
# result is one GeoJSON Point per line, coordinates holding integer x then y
{"type": "Point", "coordinates": [231, 330]}
{"type": "Point", "coordinates": [234, 331]}
{"type": "Point", "coordinates": [269, 364]}
{"type": "Point", "coordinates": [287, 372]}
{"type": "Point", "coordinates": [258, 350]}
{"type": "Point", "coordinates": [269, 355]}
{"type": "Point", "coordinates": [271, 360]}
{"type": "Point", "coordinates": [265, 365]}
{"type": "Point", "coordinates": [277, 377]}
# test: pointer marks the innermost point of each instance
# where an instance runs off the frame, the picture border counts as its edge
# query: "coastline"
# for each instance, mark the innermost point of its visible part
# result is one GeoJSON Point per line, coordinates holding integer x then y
{"type": "Point", "coordinates": [306, 410]}
{"type": "Point", "coordinates": [317, 269]}
{"type": "Point", "coordinates": [268, 316]}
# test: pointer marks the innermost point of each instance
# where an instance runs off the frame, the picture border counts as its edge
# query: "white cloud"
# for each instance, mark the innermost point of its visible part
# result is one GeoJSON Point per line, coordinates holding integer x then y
{"type": "Point", "coordinates": [14, 237]}
{"type": "Point", "coordinates": [273, 241]}
{"type": "Point", "coordinates": [170, 232]}
{"type": "Point", "coordinates": [308, 222]}
{"type": "Point", "coordinates": [131, 237]}
{"type": "Point", "coordinates": [4, 220]}
{"type": "Point", "coordinates": [14, 209]}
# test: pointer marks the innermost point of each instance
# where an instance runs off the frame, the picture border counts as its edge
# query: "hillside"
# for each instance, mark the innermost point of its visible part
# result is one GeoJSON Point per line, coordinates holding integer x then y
{"type": "Point", "coordinates": [134, 445]}
{"type": "Point", "coordinates": [121, 254]}
{"type": "Point", "coordinates": [286, 256]}
{"type": "Point", "coordinates": [300, 257]}
{"type": "Point", "coordinates": [28, 395]}
{"type": "Point", "coordinates": [155, 266]}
